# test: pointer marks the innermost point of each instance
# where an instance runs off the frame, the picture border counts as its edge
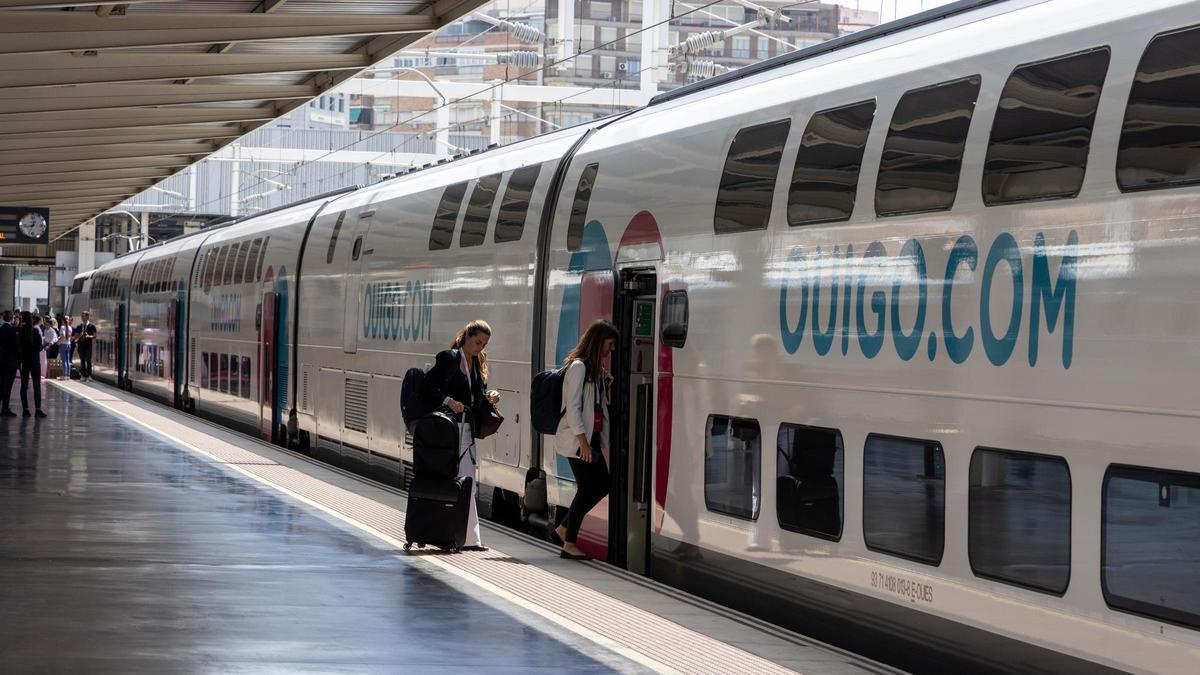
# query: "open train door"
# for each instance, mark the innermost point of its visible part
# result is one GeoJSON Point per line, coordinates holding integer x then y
{"type": "Point", "coordinates": [120, 347]}
{"type": "Point", "coordinates": [632, 414]}
{"type": "Point", "coordinates": [175, 344]}
{"type": "Point", "coordinates": [268, 356]}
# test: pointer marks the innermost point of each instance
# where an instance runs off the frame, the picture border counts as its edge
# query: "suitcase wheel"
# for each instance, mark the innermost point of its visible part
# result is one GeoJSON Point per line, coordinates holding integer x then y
{"type": "Point", "coordinates": [407, 545]}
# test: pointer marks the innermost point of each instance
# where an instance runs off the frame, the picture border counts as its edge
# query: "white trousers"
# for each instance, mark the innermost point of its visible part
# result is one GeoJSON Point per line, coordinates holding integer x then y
{"type": "Point", "coordinates": [467, 466]}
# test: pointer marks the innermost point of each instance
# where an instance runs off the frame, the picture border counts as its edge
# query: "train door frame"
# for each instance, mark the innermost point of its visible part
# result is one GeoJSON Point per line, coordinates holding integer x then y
{"type": "Point", "coordinates": [120, 346]}
{"type": "Point", "coordinates": [268, 350]}
{"type": "Point", "coordinates": [357, 252]}
{"type": "Point", "coordinates": [631, 451]}
{"type": "Point", "coordinates": [179, 339]}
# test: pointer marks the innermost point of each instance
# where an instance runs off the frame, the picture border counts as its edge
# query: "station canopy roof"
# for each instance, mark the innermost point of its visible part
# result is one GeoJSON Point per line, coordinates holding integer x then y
{"type": "Point", "coordinates": [100, 101]}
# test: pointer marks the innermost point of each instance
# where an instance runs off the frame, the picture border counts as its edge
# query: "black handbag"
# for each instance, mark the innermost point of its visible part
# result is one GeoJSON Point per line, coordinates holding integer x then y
{"type": "Point", "coordinates": [489, 422]}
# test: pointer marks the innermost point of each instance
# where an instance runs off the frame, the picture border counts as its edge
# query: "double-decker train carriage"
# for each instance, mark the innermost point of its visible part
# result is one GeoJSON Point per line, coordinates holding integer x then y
{"type": "Point", "coordinates": [908, 331]}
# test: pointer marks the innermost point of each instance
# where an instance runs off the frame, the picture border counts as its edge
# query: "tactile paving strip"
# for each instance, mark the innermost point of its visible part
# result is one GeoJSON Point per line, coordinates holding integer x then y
{"type": "Point", "coordinates": [661, 643]}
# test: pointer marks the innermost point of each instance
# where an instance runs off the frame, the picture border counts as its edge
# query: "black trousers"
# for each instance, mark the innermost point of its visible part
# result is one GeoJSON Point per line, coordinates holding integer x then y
{"type": "Point", "coordinates": [591, 485]}
{"type": "Point", "coordinates": [31, 371]}
{"type": "Point", "coordinates": [85, 359]}
{"type": "Point", "coordinates": [8, 375]}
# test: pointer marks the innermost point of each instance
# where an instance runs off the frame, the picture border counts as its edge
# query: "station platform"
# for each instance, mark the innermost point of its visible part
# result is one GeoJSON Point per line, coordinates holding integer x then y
{"type": "Point", "coordinates": [138, 539]}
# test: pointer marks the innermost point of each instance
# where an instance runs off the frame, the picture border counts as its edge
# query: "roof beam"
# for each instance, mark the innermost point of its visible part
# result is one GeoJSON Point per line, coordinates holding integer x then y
{"type": "Point", "coordinates": [42, 32]}
{"type": "Point", "coordinates": [150, 134]}
{"type": "Point", "coordinates": [51, 186]}
{"type": "Point", "coordinates": [33, 157]}
{"type": "Point", "coordinates": [154, 173]}
{"type": "Point", "coordinates": [141, 162]}
{"type": "Point", "coordinates": [26, 197]}
{"type": "Point", "coordinates": [10, 5]}
{"type": "Point", "coordinates": [133, 95]}
{"type": "Point", "coordinates": [263, 7]}
{"type": "Point", "coordinates": [49, 70]}
{"type": "Point", "coordinates": [127, 118]}
{"type": "Point", "coordinates": [73, 204]}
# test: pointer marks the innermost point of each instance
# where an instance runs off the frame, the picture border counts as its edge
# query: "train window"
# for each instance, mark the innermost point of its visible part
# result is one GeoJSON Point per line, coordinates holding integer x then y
{"type": "Point", "coordinates": [204, 376]}
{"type": "Point", "coordinates": [1043, 129]}
{"type": "Point", "coordinates": [510, 221]}
{"type": "Point", "coordinates": [206, 269]}
{"type": "Point", "coordinates": [235, 376]}
{"type": "Point", "coordinates": [225, 266]}
{"type": "Point", "coordinates": [1150, 543]}
{"type": "Point", "coordinates": [904, 497]}
{"type": "Point", "coordinates": [1019, 519]}
{"type": "Point", "coordinates": [675, 318]}
{"type": "Point", "coordinates": [262, 255]}
{"type": "Point", "coordinates": [748, 179]}
{"type": "Point", "coordinates": [579, 207]}
{"type": "Point", "coordinates": [333, 237]}
{"type": "Point", "coordinates": [446, 216]}
{"type": "Point", "coordinates": [808, 484]}
{"type": "Point", "coordinates": [1160, 140]}
{"type": "Point", "coordinates": [251, 260]}
{"type": "Point", "coordinates": [245, 377]}
{"type": "Point", "coordinates": [825, 179]}
{"type": "Point", "coordinates": [732, 456]}
{"type": "Point", "coordinates": [77, 285]}
{"type": "Point", "coordinates": [356, 250]}
{"type": "Point", "coordinates": [213, 371]}
{"type": "Point", "coordinates": [239, 264]}
{"type": "Point", "coordinates": [923, 151]}
{"type": "Point", "coordinates": [479, 210]}
{"type": "Point", "coordinates": [223, 375]}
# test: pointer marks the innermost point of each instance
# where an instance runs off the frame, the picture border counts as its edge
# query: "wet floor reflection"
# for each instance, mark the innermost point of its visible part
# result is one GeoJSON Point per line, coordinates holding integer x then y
{"type": "Point", "coordinates": [121, 553]}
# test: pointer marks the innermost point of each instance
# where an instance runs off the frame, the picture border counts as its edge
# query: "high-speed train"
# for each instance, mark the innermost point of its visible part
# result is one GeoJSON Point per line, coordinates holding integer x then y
{"type": "Point", "coordinates": [909, 321]}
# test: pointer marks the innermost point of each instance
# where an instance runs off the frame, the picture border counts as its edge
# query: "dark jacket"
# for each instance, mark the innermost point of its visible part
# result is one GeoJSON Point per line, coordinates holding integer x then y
{"type": "Point", "coordinates": [446, 378]}
{"type": "Point", "coordinates": [30, 341]}
{"type": "Point", "coordinates": [10, 346]}
{"type": "Point", "coordinates": [84, 337]}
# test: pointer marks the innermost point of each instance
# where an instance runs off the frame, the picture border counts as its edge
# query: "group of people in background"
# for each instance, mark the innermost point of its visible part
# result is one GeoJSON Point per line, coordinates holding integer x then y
{"type": "Point", "coordinates": [28, 342]}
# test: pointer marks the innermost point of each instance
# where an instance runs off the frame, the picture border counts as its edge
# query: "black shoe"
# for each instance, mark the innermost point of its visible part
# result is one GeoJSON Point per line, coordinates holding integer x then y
{"type": "Point", "coordinates": [7, 413]}
{"type": "Point", "coordinates": [572, 556]}
{"type": "Point", "coordinates": [477, 547]}
{"type": "Point", "coordinates": [39, 414]}
{"type": "Point", "coordinates": [25, 413]}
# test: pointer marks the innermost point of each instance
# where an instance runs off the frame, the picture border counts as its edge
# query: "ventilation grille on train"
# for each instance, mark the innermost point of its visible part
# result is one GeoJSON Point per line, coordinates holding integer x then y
{"type": "Point", "coordinates": [355, 418]}
{"type": "Point", "coordinates": [192, 373]}
{"type": "Point", "coordinates": [304, 390]}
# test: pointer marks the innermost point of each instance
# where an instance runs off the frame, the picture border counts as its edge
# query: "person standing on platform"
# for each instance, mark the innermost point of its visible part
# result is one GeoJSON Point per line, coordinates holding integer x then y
{"type": "Point", "coordinates": [583, 431]}
{"type": "Point", "coordinates": [458, 381]}
{"type": "Point", "coordinates": [85, 341]}
{"type": "Point", "coordinates": [65, 338]}
{"type": "Point", "coordinates": [10, 361]}
{"type": "Point", "coordinates": [49, 344]}
{"type": "Point", "coordinates": [31, 365]}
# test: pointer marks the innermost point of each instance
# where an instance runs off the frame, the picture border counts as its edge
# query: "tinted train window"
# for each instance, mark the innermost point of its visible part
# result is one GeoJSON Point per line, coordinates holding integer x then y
{"type": "Point", "coordinates": [510, 221]}
{"type": "Point", "coordinates": [1043, 129]}
{"type": "Point", "coordinates": [923, 151]}
{"type": "Point", "coordinates": [239, 264]}
{"type": "Point", "coordinates": [235, 376]}
{"type": "Point", "coordinates": [1160, 139]}
{"type": "Point", "coordinates": [748, 179]}
{"type": "Point", "coordinates": [333, 237]}
{"type": "Point", "coordinates": [825, 179]}
{"type": "Point", "coordinates": [225, 273]}
{"type": "Point", "coordinates": [808, 485]}
{"type": "Point", "coordinates": [675, 318]}
{"type": "Point", "coordinates": [479, 210]}
{"type": "Point", "coordinates": [214, 371]}
{"type": "Point", "coordinates": [1019, 519]}
{"type": "Point", "coordinates": [245, 377]}
{"type": "Point", "coordinates": [204, 376]}
{"type": "Point", "coordinates": [231, 264]}
{"type": "Point", "coordinates": [251, 260]}
{"type": "Point", "coordinates": [206, 268]}
{"type": "Point", "coordinates": [904, 497]}
{"type": "Point", "coordinates": [579, 207]}
{"type": "Point", "coordinates": [1150, 543]}
{"type": "Point", "coordinates": [258, 266]}
{"type": "Point", "coordinates": [223, 375]}
{"type": "Point", "coordinates": [446, 216]}
{"type": "Point", "coordinates": [732, 455]}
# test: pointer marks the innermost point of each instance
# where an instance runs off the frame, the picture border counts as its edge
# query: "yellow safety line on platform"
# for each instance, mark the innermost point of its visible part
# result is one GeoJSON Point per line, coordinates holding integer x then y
{"type": "Point", "coordinates": [641, 636]}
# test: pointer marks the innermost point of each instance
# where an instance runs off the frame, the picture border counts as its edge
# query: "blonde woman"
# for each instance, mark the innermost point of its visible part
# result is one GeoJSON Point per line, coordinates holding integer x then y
{"type": "Point", "coordinates": [583, 431]}
{"type": "Point", "coordinates": [458, 381]}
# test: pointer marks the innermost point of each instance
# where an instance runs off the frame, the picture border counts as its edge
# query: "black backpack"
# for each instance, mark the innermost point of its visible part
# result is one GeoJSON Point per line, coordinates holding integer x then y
{"type": "Point", "coordinates": [411, 406]}
{"type": "Point", "coordinates": [546, 400]}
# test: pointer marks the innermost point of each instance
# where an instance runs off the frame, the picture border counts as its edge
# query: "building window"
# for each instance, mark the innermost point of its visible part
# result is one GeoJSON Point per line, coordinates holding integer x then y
{"type": "Point", "coordinates": [764, 47]}
{"type": "Point", "coordinates": [808, 485]}
{"type": "Point", "coordinates": [446, 216]}
{"type": "Point", "coordinates": [748, 179]}
{"type": "Point", "coordinates": [479, 210]}
{"type": "Point", "coordinates": [732, 456]}
{"type": "Point", "coordinates": [923, 151]}
{"type": "Point", "coordinates": [510, 221]}
{"type": "Point", "coordinates": [904, 497]}
{"type": "Point", "coordinates": [1160, 139]}
{"type": "Point", "coordinates": [1043, 129]}
{"type": "Point", "coordinates": [825, 180]}
{"type": "Point", "coordinates": [579, 207]}
{"type": "Point", "coordinates": [739, 46]}
{"type": "Point", "coordinates": [1150, 543]}
{"type": "Point", "coordinates": [1019, 519]}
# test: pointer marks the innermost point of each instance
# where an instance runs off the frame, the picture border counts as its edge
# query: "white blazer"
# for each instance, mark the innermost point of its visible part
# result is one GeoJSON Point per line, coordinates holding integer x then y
{"type": "Point", "coordinates": [579, 399]}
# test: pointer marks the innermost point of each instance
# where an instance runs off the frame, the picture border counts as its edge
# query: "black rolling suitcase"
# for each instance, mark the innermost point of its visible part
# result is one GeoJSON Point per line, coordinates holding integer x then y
{"type": "Point", "coordinates": [435, 446]}
{"type": "Point", "coordinates": [437, 512]}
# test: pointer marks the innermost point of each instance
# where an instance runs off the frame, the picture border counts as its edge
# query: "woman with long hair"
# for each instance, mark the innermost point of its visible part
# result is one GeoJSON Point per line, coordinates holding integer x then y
{"type": "Point", "coordinates": [583, 431]}
{"type": "Point", "coordinates": [458, 381]}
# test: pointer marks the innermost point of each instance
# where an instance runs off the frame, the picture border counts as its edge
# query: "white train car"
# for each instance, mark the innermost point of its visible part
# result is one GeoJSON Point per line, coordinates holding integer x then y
{"type": "Point", "coordinates": [907, 317]}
